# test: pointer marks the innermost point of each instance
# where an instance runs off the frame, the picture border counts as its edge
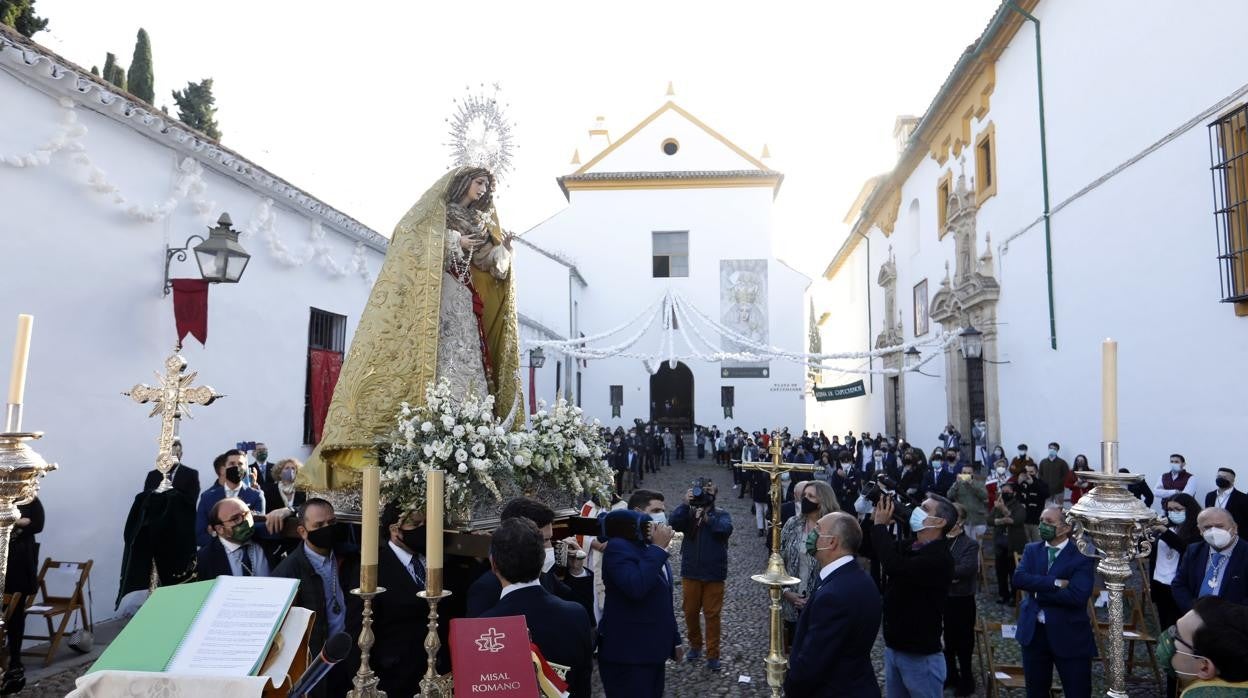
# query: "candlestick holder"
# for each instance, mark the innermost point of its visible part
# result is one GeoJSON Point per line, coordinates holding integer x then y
{"type": "Point", "coordinates": [434, 685]}
{"type": "Point", "coordinates": [1114, 526]}
{"type": "Point", "coordinates": [20, 470]}
{"type": "Point", "coordinates": [365, 680]}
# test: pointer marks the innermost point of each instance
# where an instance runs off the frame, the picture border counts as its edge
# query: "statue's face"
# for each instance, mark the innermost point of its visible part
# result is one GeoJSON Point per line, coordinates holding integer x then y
{"type": "Point", "coordinates": [479, 187]}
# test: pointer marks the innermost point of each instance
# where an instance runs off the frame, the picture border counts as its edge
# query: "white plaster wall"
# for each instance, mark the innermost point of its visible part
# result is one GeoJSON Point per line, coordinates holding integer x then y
{"type": "Point", "coordinates": [698, 149]}
{"type": "Point", "coordinates": [92, 275]}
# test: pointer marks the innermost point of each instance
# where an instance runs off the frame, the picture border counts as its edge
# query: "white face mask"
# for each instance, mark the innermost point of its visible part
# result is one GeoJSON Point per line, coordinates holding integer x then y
{"type": "Point", "coordinates": [659, 517]}
{"type": "Point", "coordinates": [1218, 538]}
{"type": "Point", "coordinates": [549, 562]}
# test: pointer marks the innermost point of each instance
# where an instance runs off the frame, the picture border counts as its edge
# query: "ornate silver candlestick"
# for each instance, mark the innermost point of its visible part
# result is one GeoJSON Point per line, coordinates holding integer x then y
{"type": "Point", "coordinates": [1113, 525]}
{"type": "Point", "coordinates": [365, 680]}
{"type": "Point", "coordinates": [433, 685]}
{"type": "Point", "coordinates": [20, 470]}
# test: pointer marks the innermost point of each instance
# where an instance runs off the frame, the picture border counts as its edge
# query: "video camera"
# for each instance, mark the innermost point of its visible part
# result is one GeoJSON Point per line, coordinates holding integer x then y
{"type": "Point", "coordinates": [701, 494]}
{"type": "Point", "coordinates": [885, 486]}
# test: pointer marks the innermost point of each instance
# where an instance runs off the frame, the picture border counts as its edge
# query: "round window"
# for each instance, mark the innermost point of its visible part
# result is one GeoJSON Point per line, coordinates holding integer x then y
{"type": "Point", "coordinates": [670, 146]}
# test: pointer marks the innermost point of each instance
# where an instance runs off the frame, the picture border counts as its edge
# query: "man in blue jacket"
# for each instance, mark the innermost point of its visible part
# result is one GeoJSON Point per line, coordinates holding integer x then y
{"type": "Point", "coordinates": [1215, 566]}
{"type": "Point", "coordinates": [637, 633]}
{"type": "Point", "coordinates": [703, 566]}
{"type": "Point", "coordinates": [1053, 624]}
{"type": "Point", "coordinates": [831, 656]}
{"type": "Point", "coordinates": [230, 467]}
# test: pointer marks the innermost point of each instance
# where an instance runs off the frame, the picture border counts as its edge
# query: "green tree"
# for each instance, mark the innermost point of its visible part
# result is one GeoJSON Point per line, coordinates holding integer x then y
{"type": "Point", "coordinates": [197, 107]}
{"type": "Point", "coordinates": [118, 77]}
{"type": "Point", "coordinates": [95, 70]}
{"type": "Point", "coordinates": [20, 14]}
{"type": "Point", "coordinates": [110, 62]}
{"type": "Point", "coordinates": [141, 81]}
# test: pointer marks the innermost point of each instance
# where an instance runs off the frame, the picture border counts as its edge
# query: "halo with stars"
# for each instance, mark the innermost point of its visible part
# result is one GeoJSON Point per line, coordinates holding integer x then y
{"type": "Point", "coordinates": [481, 133]}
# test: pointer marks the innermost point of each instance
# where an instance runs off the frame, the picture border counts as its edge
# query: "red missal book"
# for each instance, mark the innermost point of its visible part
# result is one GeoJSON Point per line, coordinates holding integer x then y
{"type": "Point", "coordinates": [492, 656]}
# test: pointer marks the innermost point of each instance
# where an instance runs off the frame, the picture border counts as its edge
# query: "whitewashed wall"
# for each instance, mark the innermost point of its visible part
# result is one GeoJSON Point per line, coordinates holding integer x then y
{"type": "Point", "coordinates": [91, 276]}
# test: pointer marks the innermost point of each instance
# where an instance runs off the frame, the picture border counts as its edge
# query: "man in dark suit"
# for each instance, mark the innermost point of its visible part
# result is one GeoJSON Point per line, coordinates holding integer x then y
{"type": "Point", "coordinates": [184, 477]}
{"type": "Point", "coordinates": [637, 633]}
{"type": "Point", "coordinates": [1053, 625]}
{"type": "Point", "coordinates": [559, 628]}
{"type": "Point", "coordinates": [485, 591]}
{"type": "Point", "coordinates": [1229, 498]}
{"type": "Point", "coordinates": [1216, 566]}
{"type": "Point", "coordinates": [831, 653]}
{"type": "Point", "coordinates": [230, 467]}
{"type": "Point", "coordinates": [322, 588]}
{"type": "Point", "coordinates": [233, 552]}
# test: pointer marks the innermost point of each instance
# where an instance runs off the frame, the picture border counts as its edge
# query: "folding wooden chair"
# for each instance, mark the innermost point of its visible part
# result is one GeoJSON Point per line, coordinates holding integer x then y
{"type": "Point", "coordinates": [52, 606]}
{"type": "Point", "coordinates": [1004, 677]}
{"type": "Point", "coordinates": [9, 604]}
{"type": "Point", "coordinates": [1134, 630]}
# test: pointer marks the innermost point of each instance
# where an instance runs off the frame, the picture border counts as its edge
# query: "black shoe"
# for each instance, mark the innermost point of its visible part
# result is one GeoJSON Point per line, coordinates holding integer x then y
{"type": "Point", "coordinates": [761, 533]}
{"type": "Point", "coordinates": [14, 680]}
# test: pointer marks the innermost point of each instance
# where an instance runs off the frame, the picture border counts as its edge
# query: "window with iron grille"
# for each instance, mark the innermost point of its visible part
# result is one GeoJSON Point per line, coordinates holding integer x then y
{"type": "Point", "coordinates": [327, 332]}
{"type": "Point", "coordinates": [1228, 147]}
{"type": "Point", "coordinates": [671, 254]}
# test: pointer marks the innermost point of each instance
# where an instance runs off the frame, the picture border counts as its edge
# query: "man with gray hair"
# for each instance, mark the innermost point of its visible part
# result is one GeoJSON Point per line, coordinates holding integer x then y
{"type": "Point", "coordinates": [1216, 566]}
{"type": "Point", "coordinates": [916, 578]}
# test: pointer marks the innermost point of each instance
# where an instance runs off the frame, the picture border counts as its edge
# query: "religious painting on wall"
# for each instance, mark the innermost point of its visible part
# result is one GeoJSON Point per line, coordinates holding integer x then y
{"type": "Point", "coordinates": [743, 310]}
{"type": "Point", "coordinates": [920, 309]}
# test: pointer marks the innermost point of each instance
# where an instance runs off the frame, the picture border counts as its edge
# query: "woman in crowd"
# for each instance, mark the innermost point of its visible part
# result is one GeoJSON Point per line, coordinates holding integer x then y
{"type": "Point", "coordinates": [1077, 488]}
{"type": "Point", "coordinates": [959, 612]}
{"type": "Point", "coordinates": [1007, 518]}
{"type": "Point", "coordinates": [22, 577]}
{"type": "Point", "coordinates": [999, 475]}
{"type": "Point", "coordinates": [817, 499]}
{"type": "Point", "coordinates": [1180, 531]}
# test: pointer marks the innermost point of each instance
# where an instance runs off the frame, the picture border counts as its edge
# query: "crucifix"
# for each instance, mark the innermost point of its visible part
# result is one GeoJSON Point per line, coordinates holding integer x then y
{"type": "Point", "coordinates": [776, 578]}
{"type": "Point", "coordinates": [172, 399]}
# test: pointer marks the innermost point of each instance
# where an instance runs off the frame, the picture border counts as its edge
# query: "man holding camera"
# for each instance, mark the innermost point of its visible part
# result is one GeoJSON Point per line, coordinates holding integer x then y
{"type": "Point", "coordinates": [704, 566]}
{"type": "Point", "coordinates": [917, 576]}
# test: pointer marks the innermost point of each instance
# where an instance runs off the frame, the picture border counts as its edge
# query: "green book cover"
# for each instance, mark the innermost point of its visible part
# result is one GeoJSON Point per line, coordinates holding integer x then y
{"type": "Point", "coordinates": [152, 636]}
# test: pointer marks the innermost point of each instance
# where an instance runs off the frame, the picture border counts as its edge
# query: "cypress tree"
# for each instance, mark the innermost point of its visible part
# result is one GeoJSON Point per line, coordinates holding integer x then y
{"type": "Point", "coordinates": [110, 62]}
{"type": "Point", "coordinates": [20, 14]}
{"type": "Point", "coordinates": [197, 107]}
{"type": "Point", "coordinates": [118, 77]}
{"type": "Point", "coordinates": [141, 81]}
{"type": "Point", "coordinates": [95, 70]}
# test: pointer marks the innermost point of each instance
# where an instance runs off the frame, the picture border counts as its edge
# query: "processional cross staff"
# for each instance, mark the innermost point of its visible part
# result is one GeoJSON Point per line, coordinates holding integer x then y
{"type": "Point", "coordinates": [775, 577]}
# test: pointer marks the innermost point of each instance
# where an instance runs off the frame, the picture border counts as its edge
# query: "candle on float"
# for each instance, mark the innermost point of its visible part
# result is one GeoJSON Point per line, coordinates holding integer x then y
{"type": "Point", "coordinates": [1109, 391]}
{"type": "Point", "coordinates": [435, 487]}
{"type": "Point", "coordinates": [371, 494]}
{"type": "Point", "coordinates": [21, 356]}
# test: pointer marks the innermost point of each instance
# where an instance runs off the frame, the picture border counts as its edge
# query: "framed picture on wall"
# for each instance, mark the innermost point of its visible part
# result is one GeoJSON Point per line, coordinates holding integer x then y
{"type": "Point", "coordinates": [920, 308]}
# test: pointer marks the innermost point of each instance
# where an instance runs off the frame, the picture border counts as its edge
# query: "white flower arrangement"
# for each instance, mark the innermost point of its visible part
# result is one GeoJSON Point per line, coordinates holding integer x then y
{"type": "Point", "coordinates": [562, 451]}
{"type": "Point", "coordinates": [459, 436]}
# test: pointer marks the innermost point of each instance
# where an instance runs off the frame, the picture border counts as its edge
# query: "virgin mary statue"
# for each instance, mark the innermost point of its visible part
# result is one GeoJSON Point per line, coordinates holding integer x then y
{"type": "Point", "coordinates": [443, 307]}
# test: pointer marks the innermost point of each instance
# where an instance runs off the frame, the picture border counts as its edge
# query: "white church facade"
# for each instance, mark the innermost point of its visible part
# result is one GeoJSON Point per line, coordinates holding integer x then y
{"type": "Point", "coordinates": [671, 207]}
{"type": "Point", "coordinates": [1050, 228]}
{"type": "Point", "coordinates": [94, 188]}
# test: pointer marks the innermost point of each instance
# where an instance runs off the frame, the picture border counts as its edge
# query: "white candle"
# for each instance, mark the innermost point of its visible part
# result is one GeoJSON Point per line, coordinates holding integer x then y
{"type": "Point", "coordinates": [21, 356]}
{"type": "Point", "coordinates": [371, 493]}
{"type": "Point", "coordinates": [1109, 391]}
{"type": "Point", "coordinates": [433, 530]}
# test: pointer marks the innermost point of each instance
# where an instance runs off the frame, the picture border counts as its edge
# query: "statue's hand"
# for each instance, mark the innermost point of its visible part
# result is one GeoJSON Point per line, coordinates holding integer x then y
{"type": "Point", "coordinates": [507, 240]}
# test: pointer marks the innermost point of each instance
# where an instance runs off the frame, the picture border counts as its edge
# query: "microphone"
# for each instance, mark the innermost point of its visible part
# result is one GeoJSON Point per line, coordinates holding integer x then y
{"type": "Point", "coordinates": [334, 651]}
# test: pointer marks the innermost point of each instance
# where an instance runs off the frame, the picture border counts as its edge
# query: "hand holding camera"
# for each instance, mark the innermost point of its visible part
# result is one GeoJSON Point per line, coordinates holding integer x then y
{"type": "Point", "coordinates": [883, 512]}
{"type": "Point", "coordinates": [661, 535]}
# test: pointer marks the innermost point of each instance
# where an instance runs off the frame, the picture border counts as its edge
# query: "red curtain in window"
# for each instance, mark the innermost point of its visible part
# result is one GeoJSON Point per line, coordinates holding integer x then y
{"type": "Point", "coordinates": [323, 369]}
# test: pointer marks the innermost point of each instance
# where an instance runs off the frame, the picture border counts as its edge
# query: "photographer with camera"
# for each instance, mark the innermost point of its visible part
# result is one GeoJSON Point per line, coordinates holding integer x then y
{"type": "Point", "coordinates": [917, 576]}
{"type": "Point", "coordinates": [637, 633]}
{"type": "Point", "coordinates": [704, 565]}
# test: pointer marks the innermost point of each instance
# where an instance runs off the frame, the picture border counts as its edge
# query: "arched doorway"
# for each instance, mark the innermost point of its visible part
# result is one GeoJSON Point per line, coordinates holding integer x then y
{"type": "Point", "coordinates": [671, 396]}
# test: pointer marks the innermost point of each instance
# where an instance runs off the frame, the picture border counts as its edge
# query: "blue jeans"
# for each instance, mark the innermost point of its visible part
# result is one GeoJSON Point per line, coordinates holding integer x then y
{"type": "Point", "coordinates": [909, 675]}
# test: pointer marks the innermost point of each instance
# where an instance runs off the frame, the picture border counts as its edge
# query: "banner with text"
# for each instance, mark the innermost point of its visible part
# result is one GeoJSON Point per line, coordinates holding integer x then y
{"type": "Point", "coordinates": [840, 392]}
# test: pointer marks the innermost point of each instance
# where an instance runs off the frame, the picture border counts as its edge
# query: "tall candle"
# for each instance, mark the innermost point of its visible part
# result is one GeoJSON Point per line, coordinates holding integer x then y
{"type": "Point", "coordinates": [21, 356]}
{"type": "Point", "coordinates": [371, 493]}
{"type": "Point", "coordinates": [435, 487]}
{"type": "Point", "coordinates": [1109, 391]}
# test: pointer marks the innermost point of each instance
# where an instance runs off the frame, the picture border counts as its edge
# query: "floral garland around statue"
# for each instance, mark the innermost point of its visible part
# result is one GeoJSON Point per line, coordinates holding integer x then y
{"type": "Point", "coordinates": [562, 451]}
{"type": "Point", "coordinates": [462, 437]}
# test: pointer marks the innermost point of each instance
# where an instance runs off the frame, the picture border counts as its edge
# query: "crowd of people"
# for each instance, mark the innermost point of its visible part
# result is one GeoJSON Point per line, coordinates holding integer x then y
{"type": "Point", "coordinates": [880, 536]}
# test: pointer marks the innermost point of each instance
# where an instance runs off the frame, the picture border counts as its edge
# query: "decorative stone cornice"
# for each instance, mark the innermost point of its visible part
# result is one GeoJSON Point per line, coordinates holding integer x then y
{"type": "Point", "coordinates": [51, 74]}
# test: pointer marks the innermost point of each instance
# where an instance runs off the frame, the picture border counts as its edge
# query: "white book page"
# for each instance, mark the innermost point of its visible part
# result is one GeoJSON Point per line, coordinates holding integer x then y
{"type": "Point", "coordinates": [233, 630]}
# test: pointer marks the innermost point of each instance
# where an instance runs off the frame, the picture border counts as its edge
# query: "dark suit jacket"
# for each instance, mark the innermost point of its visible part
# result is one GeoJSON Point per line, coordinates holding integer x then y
{"type": "Point", "coordinates": [484, 592]}
{"type": "Point", "coordinates": [212, 562]}
{"type": "Point", "coordinates": [185, 479]}
{"type": "Point", "coordinates": [311, 595]}
{"type": "Point", "coordinates": [1191, 574]}
{"type": "Point", "coordinates": [831, 653]}
{"type": "Point", "coordinates": [1066, 609]}
{"type": "Point", "coordinates": [1237, 505]}
{"type": "Point", "coordinates": [638, 612]}
{"type": "Point", "coordinates": [559, 628]}
{"type": "Point", "coordinates": [273, 497]}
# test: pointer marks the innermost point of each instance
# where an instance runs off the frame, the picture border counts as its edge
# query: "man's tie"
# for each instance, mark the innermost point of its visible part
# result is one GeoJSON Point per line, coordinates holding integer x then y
{"type": "Point", "coordinates": [1208, 587]}
{"type": "Point", "coordinates": [418, 571]}
{"type": "Point", "coordinates": [245, 561]}
{"type": "Point", "coordinates": [1052, 556]}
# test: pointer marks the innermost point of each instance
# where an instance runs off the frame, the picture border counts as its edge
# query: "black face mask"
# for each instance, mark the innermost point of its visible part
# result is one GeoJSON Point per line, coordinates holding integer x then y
{"type": "Point", "coordinates": [1222, 483]}
{"type": "Point", "coordinates": [809, 506]}
{"type": "Point", "coordinates": [414, 539]}
{"type": "Point", "coordinates": [327, 537]}
{"type": "Point", "coordinates": [234, 475]}
{"type": "Point", "coordinates": [1007, 496]}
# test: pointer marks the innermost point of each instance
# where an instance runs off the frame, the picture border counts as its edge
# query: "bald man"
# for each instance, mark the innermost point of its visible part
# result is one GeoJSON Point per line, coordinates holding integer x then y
{"type": "Point", "coordinates": [1216, 566]}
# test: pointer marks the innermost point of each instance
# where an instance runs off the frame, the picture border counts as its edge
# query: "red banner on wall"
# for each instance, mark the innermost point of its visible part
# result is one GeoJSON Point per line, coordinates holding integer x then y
{"type": "Point", "coordinates": [323, 369]}
{"type": "Point", "coordinates": [190, 308]}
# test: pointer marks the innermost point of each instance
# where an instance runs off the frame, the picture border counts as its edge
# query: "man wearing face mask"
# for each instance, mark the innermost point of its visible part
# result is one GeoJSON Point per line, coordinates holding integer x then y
{"type": "Point", "coordinates": [1021, 461]}
{"type": "Point", "coordinates": [1207, 649]}
{"type": "Point", "coordinates": [1176, 480]}
{"type": "Point", "coordinates": [1229, 498]}
{"type": "Point", "coordinates": [1033, 493]}
{"type": "Point", "coordinates": [233, 551]}
{"type": "Point", "coordinates": [1053, 472]}
{"type": "Point", "coordinates": [973, 496]}
{"type": "Point", "coordinates": [230, 468]}
{"type": "Point", "coordinates": [260, 466]}
{"type": "Point", "coordinates": [831, 654]}
{"type": "Point", "coordinates": [941, 476]}
{"type": "Point", "coordinates": [323, 587]}
{"type": "Point", "coordinates": [1216, 566]}
{"type": "Point", "coordinates": [1053, 625]}
{"type": "Point", "coordinates": [704, 566]}
{"type": "Point", "coordinates": [484, 592]}
{"type": "Point", "coordinates": [183, 477]}
{"type": "Point", "coordinates": [917, 576]}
